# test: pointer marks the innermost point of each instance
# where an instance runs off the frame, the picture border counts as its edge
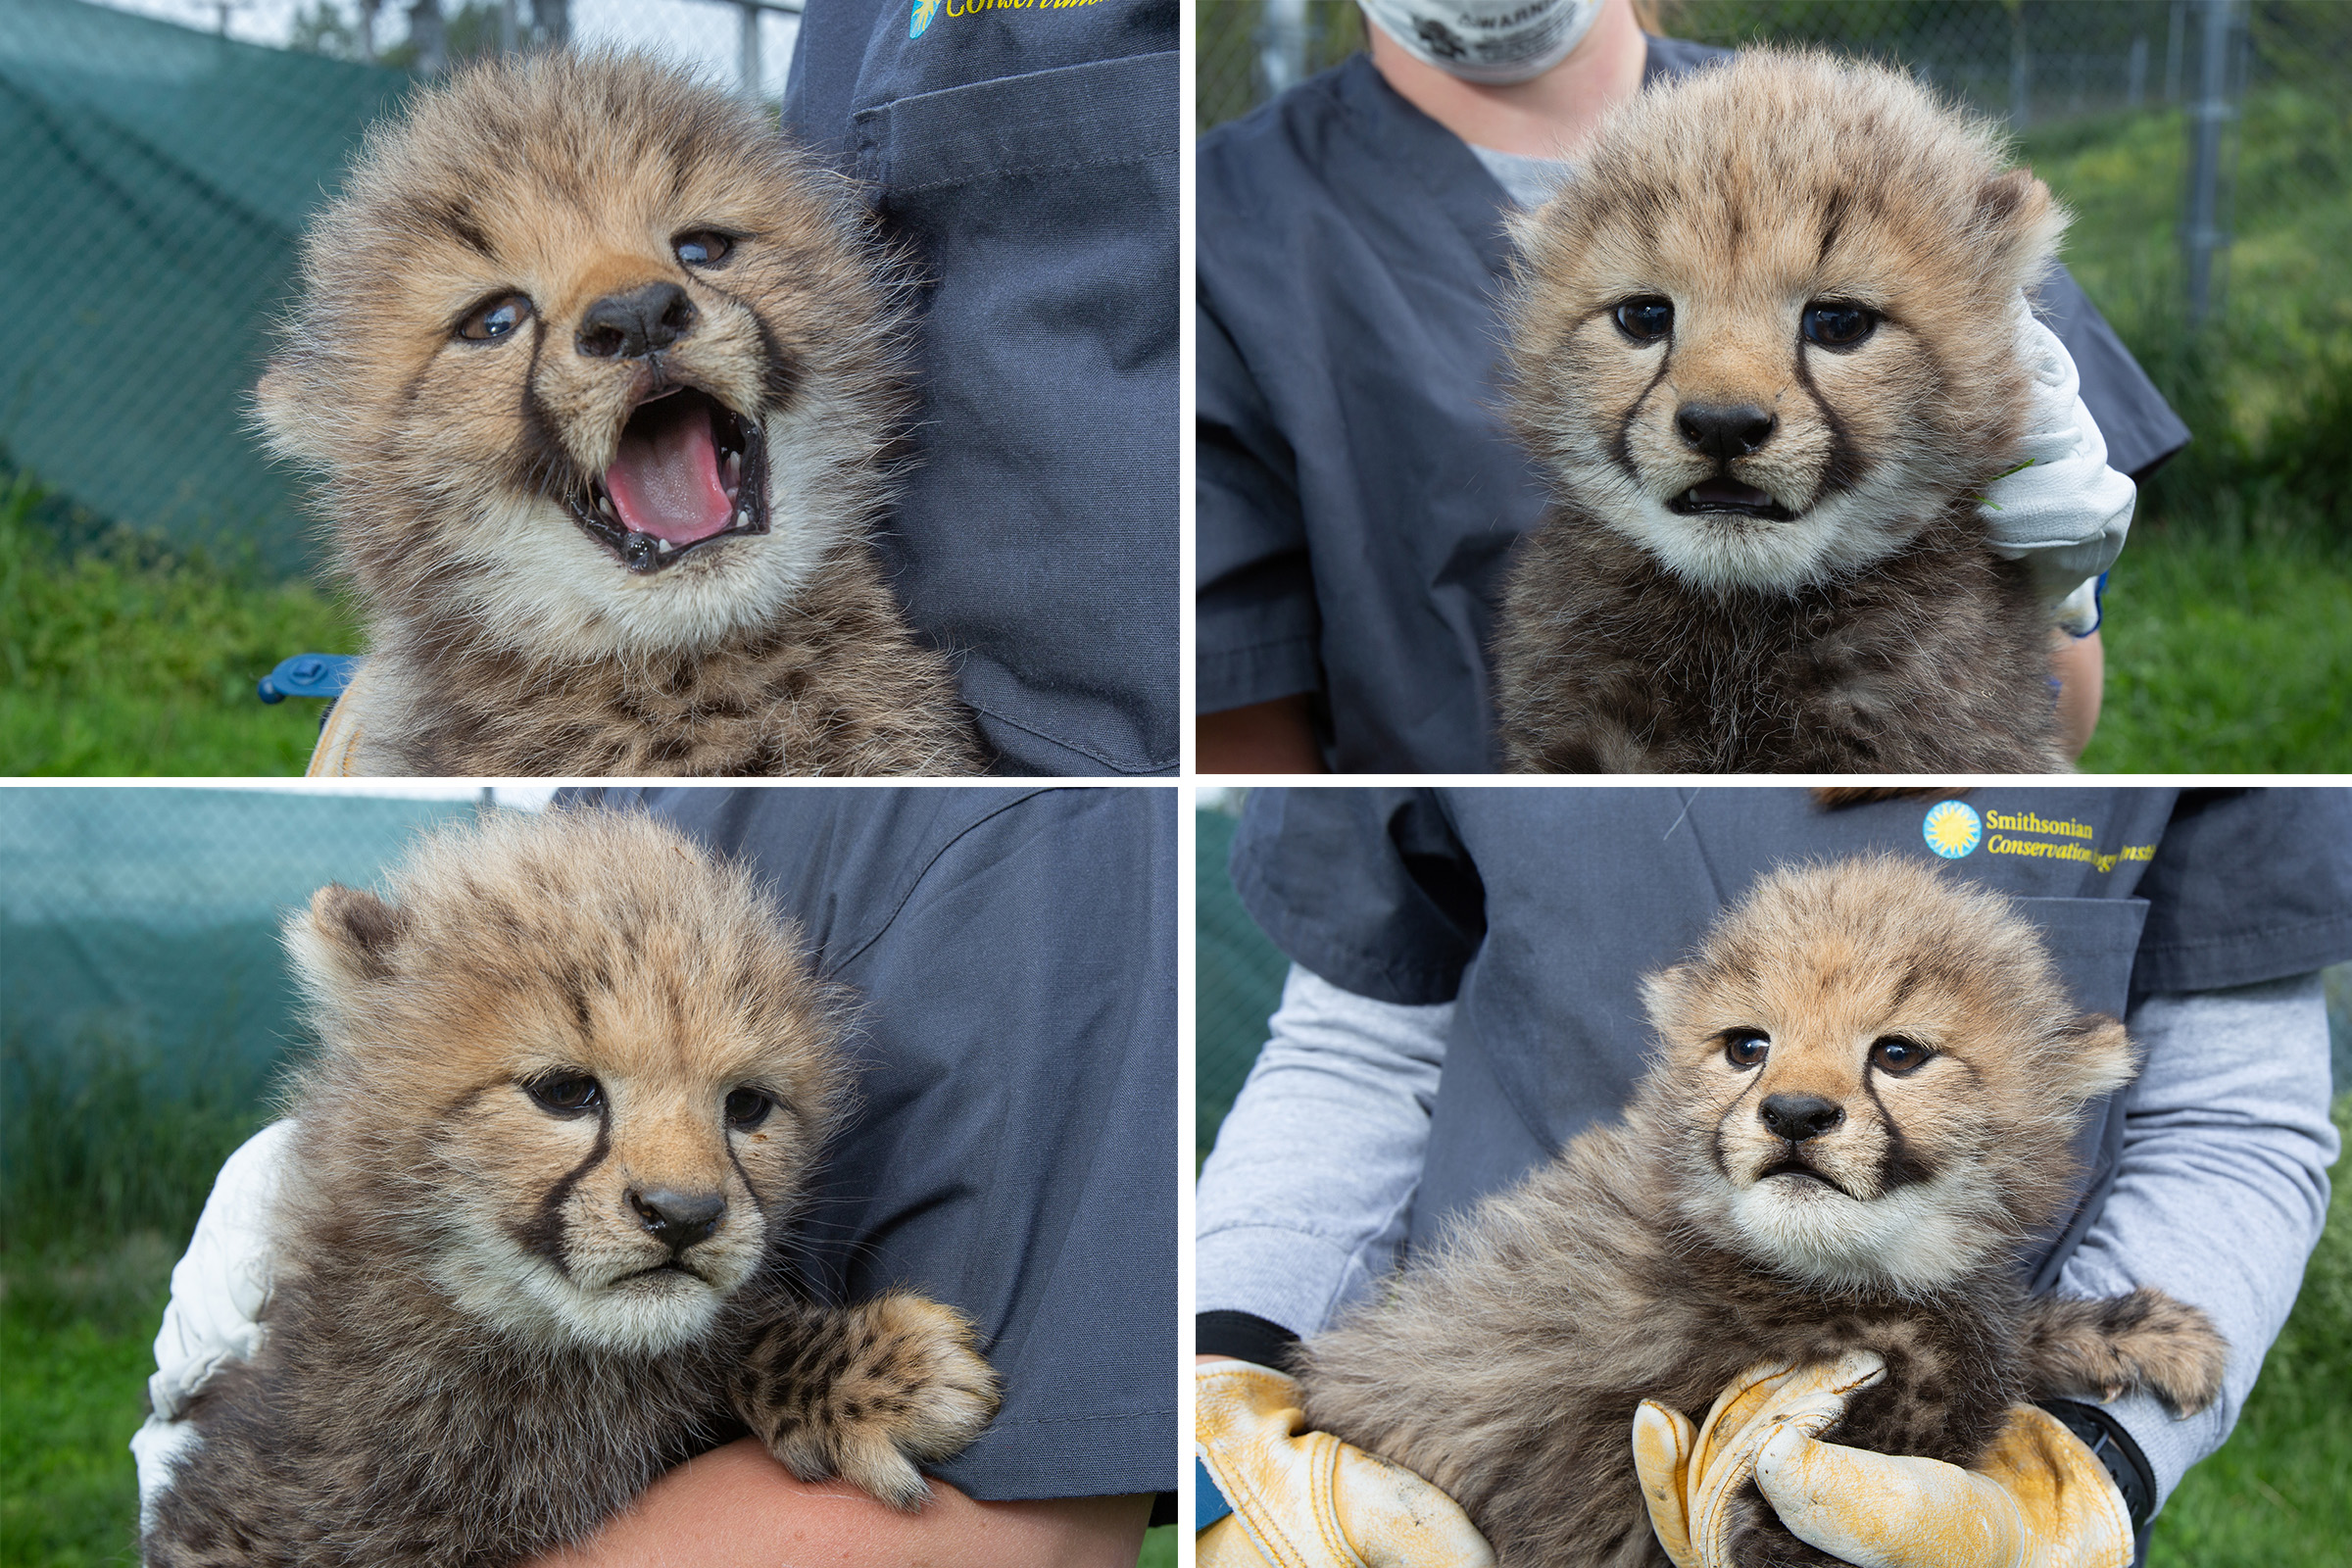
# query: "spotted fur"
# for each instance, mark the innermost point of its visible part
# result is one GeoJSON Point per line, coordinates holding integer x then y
{"type": "Point", "coordinates": [1865, 625]}
{"type": "Point", "coordinates": [479, 1344]}
{"type": "Point", "coordinates": [1655, 1259]}
{"type": "Point", "coordinates": [504, 636]}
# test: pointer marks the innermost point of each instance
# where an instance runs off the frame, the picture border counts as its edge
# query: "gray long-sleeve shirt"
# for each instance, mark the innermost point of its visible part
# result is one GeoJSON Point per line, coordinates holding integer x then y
{"type": "Point", "coordinates": [2219, 1195]}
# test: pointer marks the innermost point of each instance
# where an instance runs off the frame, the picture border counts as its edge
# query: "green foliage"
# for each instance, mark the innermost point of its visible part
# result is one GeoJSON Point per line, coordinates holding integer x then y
{"type": "Point", "coordinates": [127, 657]}
{"type": "Point", "coordinates": [2276, 1494]}
{"type": "Point", "coordinates": [2226, 652]}
{"type": "Point", "coordinates": [2266, 386]}
{"type": "Point", "coordinates": [76, 1349]}
{"type": "Point", "coordinates": [91, 1150]}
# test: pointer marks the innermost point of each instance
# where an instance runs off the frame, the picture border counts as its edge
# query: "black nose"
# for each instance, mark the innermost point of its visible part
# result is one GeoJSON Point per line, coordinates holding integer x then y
{"type": "Point", "coordinates": [631, 325]}
{"type": "Point", "coordinates": [679, 1220]}
{"type": "Point", "coordinates": [1797, 1117]}
{"type": "Point", "coordinates": [1724, 431]}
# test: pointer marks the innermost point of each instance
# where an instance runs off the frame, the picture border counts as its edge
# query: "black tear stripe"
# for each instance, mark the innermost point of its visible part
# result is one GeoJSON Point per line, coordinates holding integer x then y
{"type": "Point", "coordinates": [544, 1235]}
{"type": "Point", "coordinates": [1899, 1165]}
{"type": "Point", "coordinates": [1845, 467]}
{"type": "Point", "coordinates": [546, 465]}
{"type": "Point", "coordinates": [1715, 1138]}
{"type": "Point", "coordinates": [780, 375]}
{"type": "Point", "coordinates": [1621, 446]}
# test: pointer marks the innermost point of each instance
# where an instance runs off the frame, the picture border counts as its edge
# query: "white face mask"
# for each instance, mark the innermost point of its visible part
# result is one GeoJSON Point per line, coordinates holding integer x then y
{"type": "Point", "coordinates": [1490, 41]}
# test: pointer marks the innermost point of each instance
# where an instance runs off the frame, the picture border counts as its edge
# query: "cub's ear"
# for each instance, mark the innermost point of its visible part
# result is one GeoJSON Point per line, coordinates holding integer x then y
{"type": "Point", "coordinates": [2018, 215]}
{"type": "Point", "coordinates": [1664, 994]}
{"type": "Point", "coordinates": [346, 937]}
{"type": "Point", "coordinates": [276, 409]}
{"type": "Point", "coordinates": [2097, 1055]}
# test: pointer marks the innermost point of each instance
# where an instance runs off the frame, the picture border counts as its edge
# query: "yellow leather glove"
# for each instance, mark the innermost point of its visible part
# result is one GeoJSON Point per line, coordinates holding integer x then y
{"type": "Point", "coordinates": [2038, 1499]}
{"type": "Point", "coordinates": [1305, 1499]}
{"type": "Point", "coordinates": [1690, 1476]}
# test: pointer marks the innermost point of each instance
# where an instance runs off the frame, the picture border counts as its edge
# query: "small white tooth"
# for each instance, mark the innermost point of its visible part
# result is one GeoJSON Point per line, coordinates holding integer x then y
{"type": "Point", "coordinates": [665, 547]}
{"type": "Point", "coordinates": [734, 469]}
{"type": "Point", "coordinates": [742, 518]}
{"type": "Point", "coordinates": [603, 504]}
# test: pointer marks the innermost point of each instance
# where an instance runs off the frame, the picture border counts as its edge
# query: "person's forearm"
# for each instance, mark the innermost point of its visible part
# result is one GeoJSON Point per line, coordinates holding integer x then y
{"type": "Point", "coordinates": [738, 1508]}
{"type": "Point", "coordinates": [2080, 665]}
{"type": "Point", "coordinates": [1302, 1203]}
{"type": "Point", "coordinates": [2221, 1187]}
{"type": "Point", "coordinates": [1274, 737]}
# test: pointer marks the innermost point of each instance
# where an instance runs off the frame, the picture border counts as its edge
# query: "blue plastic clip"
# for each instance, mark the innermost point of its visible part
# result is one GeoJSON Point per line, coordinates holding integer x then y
{"type": "Point", "coordinates": [309, 675]}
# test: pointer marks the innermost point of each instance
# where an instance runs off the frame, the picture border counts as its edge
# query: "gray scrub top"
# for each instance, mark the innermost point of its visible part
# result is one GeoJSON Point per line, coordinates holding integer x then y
{"type": "Point", "coordinates": [1014, 953]}
{"type": "Point", "coordinates": [1358, 493]}
{"type": "Point", "coordinates": [1027, 157]}
{"type": "Point", "coordinates": [1538, 910]}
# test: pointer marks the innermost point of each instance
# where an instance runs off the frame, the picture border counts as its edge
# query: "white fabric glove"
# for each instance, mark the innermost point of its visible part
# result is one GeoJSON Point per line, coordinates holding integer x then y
{"type": "Point", "coordinates": [217, 1292]}
{"type": "Point", "coordinates": [2066, 512]}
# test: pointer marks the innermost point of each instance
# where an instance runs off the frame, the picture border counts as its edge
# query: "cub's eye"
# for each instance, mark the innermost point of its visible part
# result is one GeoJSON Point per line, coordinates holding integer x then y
{"type": "Point", "coordinates": [747, 1108]}
{"type": "Point", "coordinates": [702, 248]}
{"type": "Point", "coordinates": [1838, 326]}
{"type": "Point", "coordinates": [1898, 1055]}
{"type": "Point", "coordinates": [1745, 1048]}
{"type": "Point", "coordinates": [1645, 319]}
{"type": "Point", "coordinates": [572, 1093]}
{"type": "Point", "coordinates": [495, 318]}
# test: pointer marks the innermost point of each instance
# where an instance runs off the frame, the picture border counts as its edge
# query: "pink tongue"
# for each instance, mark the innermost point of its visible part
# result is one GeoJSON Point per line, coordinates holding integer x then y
{"type": "Point", "coordinates": [665, 480]}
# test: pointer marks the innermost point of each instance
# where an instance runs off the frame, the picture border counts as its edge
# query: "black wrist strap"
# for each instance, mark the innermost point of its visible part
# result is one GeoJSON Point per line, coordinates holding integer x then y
{"type": "Point", "coordinates": [1243, 1336]}
{"type": "Point", "coordinates": [2105, 1437]}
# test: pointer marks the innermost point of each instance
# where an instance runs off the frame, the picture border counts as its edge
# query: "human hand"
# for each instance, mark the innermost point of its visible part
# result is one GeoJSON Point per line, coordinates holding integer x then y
{"type": "Point", "coordinates": [2038, 1499]}
{"type": "Point", "coordinates": [2065, 513]}
{"type": "Point", "coordinates": [1691, 1475]}
{"type": "Point", "coordinates": [218, 1290]}
{"type": "Point", "coordinates": [1305, 1499]}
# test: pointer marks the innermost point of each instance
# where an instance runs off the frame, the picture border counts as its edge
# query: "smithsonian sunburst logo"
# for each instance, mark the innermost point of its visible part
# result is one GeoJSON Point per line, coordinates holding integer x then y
{"type": "Point", "coordinates": [1952, 829]}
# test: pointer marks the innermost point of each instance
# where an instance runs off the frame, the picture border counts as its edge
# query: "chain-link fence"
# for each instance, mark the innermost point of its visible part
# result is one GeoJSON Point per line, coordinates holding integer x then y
{"type": "Point", "coordinates": [1238, 976]}
{"type": "Point", "coordinates": [161, 159]}
{"type": "Point", "coordinates": [2204, 146]}
{"type": "Point", "coordinates": [146, 921]}
{"type": "Point", "coordinates": [145, 1001]}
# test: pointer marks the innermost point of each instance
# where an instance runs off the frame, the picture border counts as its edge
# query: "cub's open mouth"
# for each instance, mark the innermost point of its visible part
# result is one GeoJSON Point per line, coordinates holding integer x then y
{"type": "Point", "coordinates": [1722, 494]}
{"type": "Point", "coordinates": [689, 470]}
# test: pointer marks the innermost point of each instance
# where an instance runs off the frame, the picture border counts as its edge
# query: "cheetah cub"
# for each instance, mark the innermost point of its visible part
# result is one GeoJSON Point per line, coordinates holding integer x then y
{"type": "Point", "coordinates": [1859, 1111]}
{"type": "Point", "coordinates": [1764, 345]}
{"type": "Point", "coordinates": [598, 376]}
{"type": "Point", "coordinates": [573, 1077]}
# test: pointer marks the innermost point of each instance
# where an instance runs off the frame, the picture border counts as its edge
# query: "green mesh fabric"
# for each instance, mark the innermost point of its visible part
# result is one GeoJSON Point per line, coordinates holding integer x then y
{"type": "Point", "coordinates": [142, 923]}
{"type": "Point", "coordinates": [1238, 984]}
{"type": "Point", "coordinates": [157, 182]}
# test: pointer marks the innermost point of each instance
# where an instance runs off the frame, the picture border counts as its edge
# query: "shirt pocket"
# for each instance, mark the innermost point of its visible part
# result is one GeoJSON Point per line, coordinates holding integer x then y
{"type": "Point", "coordinates": [2092, 942]}
{"type": "Point", "coordinates": [1041, 213]}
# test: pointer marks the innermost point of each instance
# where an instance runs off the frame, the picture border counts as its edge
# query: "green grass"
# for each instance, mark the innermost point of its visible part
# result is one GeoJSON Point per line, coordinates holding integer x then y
{"type": "Point", "coordinates": [125, 657]}
{"type": "Point", "coordinates": [2225, 655]}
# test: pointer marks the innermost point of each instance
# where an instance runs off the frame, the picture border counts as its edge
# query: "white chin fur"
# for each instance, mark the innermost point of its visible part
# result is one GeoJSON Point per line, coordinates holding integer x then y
{"type": "Point", "coordinates": [549, 590]}
{"type": "Point", "coordinates": [1913, 1241]}
{"type": "Point", "coordinates": [525, 1296]}
{"type": "Point", "coordinates": [1839, 535]}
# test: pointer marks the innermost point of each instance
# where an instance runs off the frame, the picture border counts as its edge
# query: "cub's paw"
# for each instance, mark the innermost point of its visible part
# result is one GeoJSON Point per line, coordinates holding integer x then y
{"type": "Point", "coordinates": [2146, 1339]}
{"type": "Point", "coordinates": [866, 1391]}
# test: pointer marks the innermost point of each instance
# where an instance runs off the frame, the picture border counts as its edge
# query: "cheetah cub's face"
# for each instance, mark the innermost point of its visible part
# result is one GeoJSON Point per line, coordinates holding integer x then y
{"type": "Point", "coordinates": [585, 352]}
{"type": "Point", "coordinates": [595, 1061]}
{"type": "Point", "coordinates": [1873, 1076]}
{"type": "Point", "coordinates": [1766, 330]}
